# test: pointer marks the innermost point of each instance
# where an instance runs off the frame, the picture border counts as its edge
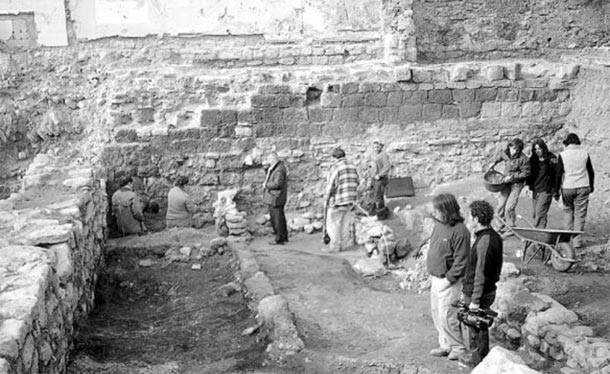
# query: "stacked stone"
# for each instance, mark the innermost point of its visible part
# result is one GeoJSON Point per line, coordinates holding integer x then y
{"type": "Point", "coordinates": [547, 331]}
{"type": "Point", "coordinates": [308, 222]}
{"type": "Point", "coordinates": [49, 257]}
{"type": "Point", "coordinates": [237, 223]}
{"type": "Point", "coordinates": [377, 238]}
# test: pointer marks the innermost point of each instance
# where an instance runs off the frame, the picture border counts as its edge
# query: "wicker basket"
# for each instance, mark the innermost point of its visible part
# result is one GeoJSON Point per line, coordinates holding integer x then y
{"type": "Point", "coordinates": [490, 177]}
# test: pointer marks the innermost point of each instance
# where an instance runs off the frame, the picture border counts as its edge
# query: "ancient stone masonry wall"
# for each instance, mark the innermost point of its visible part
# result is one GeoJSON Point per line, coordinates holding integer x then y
{"type": "Point", "coordinates": [52, 239]}
{"type": "Point", "coordinates": [471, 29]}
{"type": "Point", "coordinates": [439, 123]}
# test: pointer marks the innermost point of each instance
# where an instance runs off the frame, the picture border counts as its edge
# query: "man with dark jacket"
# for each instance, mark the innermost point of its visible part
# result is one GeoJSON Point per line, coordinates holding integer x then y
{"type": "Point", "coordinates": [274, 195]}
{"type": "Point", "coordinates": [127, 209]}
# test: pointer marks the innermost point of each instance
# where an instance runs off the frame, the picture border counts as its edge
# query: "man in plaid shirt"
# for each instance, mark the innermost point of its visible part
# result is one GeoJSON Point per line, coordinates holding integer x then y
{"type": "Point", "coordinates": [341, 194]}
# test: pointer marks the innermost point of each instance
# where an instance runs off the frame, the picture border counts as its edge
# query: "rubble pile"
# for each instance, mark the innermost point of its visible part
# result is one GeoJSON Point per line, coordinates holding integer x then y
{"type": "Point", "coordinates": [377, 238]}
{"type": "Point", "coordinates": [417, 277]}
{"type": "Point", "coordinates": [596, 258]}
{"type": "Point", "coordinates": [308, 222]}
{"type": "Point", "coordinates": [230, 221]}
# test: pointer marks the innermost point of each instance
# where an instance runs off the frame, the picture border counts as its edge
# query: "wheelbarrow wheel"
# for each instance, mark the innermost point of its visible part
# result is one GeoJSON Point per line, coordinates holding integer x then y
{"type": "Point", "coordinates": [564, 250]}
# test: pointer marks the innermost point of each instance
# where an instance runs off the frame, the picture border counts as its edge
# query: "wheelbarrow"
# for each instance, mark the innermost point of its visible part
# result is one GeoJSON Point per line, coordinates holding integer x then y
{"type": "Point", "coordinates": [563, 255]}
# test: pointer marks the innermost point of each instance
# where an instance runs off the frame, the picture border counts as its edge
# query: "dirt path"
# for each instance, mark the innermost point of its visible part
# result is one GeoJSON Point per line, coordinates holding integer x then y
{"type": "Point", "coordinates": [343, 316]}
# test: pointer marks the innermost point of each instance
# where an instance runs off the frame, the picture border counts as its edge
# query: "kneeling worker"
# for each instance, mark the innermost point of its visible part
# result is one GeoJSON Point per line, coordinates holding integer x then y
{"type": "Point", "coordinates": [482, 273]}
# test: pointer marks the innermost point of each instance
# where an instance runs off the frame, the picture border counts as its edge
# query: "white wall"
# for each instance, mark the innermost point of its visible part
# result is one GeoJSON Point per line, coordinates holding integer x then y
{"type": "Point", "coordinates": [49, 16]}
{"type": "Point", "coordinates": [285, 19]}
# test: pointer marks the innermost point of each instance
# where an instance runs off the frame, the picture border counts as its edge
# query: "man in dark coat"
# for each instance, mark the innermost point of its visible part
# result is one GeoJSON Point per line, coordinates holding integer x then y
{"type": "Point", "coordinates": [274, 195]}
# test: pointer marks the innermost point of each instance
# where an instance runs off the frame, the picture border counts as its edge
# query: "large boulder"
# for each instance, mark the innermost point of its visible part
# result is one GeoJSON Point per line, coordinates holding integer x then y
{"type": "Point", "coordinates": [502, 361]}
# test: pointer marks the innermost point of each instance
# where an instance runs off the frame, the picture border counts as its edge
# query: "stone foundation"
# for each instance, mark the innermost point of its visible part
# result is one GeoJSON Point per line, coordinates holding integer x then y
{"type": "Point", "coordinates": [49, 255]}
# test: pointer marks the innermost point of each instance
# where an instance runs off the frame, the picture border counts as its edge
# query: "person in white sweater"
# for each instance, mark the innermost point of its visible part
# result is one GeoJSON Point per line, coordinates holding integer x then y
{"type": "Point", "coordinates": [180, 207]}
{"type": "Point", "coordinates": [576, 177]}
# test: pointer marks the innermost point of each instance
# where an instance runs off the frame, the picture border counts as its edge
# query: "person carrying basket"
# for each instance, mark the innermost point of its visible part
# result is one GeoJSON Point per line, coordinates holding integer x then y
{"type": "Point", "coordinates": [517, 170]}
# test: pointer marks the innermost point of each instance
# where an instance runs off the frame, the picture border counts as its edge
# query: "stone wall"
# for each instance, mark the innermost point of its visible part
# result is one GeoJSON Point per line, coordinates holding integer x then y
{"type": "Point", "coordinates": [547, 332]}
{"type": "Point", "coordinates": [472, 29]}
{"type": "Point", "coordinates": [439, 123]}
{"type": "Point", "coordinates": [53, 233]}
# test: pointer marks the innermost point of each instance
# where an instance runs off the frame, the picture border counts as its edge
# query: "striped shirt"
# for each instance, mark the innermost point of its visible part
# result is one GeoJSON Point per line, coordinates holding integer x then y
{"type": "Point", "coordinates": [342, 184]}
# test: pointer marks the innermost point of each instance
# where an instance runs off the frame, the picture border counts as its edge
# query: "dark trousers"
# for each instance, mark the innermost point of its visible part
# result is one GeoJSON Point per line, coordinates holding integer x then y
{"type": "Point", "coordinates": [379, 186]}
{"type": "Point", "coordinates": [278, 222]}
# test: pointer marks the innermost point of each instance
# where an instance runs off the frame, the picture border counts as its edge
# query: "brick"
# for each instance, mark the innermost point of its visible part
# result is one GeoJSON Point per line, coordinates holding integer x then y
{"type": "Point", "coordinates": [531, 109]}
{"type": "Point", "coordinates": [511, 109]}
{"type": "Point", "coordinates": [263, 130]}
{"type": "Point", "coordinates": [431, 112]}
{"type": "Point", "coordinates": [526, 95]}
{"type": "Point", "coordinates": [377, 99]}
{"type": "Point", "coordinates": [320, 114]}
{"type": "Point", "coordinates": [347, 114]}
{"type": "Point", "coordinates": [493, 73]}
{"type": "Point", "coordinates": [402, 73]}
{"type": "Point", "coordinates": [394, 98]}
{"type": "Point", "coordinates": [410, 113]}
{"type": "Point", "coordinates": [440, 96]}
{"type": "Point", "coordinates": [414, 97]}
{"type": "Point", "coordinates": [273, 89]}
{"type": "Point", "coordinates": [450, 111]}
{"type": "Point", "coordinates": [353, 100]}
{"type": "Point", "coordinates": [486, 94]}
{"type": "Point", "coordinates": [463, 96]}
{"type": "Point", "coordinates": [388, 115]}
{"type": "Point", "coordinates": [469, 110]}
{"type": "Point", "coordinates": [330, 100]}
{"type": "Point", "coordinates": [369, 115]}
{"type": "Point", "coordinates": [366, 87]}
{"type": "Point", "coordinates": [294, 116]}
{"type": "Point", "coordinates": [491, 110]}
{"type": "Point", "coordinates": [262, 101]}
{"type": "Point", "coordinates": [507, 94]}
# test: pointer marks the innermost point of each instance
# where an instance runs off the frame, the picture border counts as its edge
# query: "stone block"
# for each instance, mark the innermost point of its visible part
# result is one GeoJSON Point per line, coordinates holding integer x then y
{"type": "Point", "coordinates": [440, 96]}
{"type": "Point", "coordinates": [353, 100]}
{"type": "Point", "coordinates": [414, 97]}
{"type": "Point", "coordinates": [562, 95]}
{"type": "Point", "coordinates": [394, 98]}
{"type": "Point", "coordinates": [388, 115]}
{"type": "Point", "coordinates": [262, 100]}
{"type": "Point", "coordinates": [531, 109]}
{"type": "Point", "coordinates": [431, 112]}
{"type": "Point", "coordinates": [493, 73]}
{"type": "Point", "coordinates": [461, 73]}
{"type": "Point", "coordinates": [507, 94]}
{"type": "Point", "coordinates": [537, 82]}
{"type": "Point", "coordinates": [272, 115]}
{"type": "Point", "coordinates": [513, 71]}
{"type": "Point", "coordinates": [63, 261]}
{"type": "Point", "coordinates": [410, 113]}
{"type": "Point", "coordinates": [402, 73]}
{"type": "Point", "coordinates": [419, 75]}
{"type": "Point", "coordinates": [550, 110]}
{"type": "Point", "coordinates": [511, 109]}
{"type": "Point", "coordinates": [376, 99]}
{"type": "Point", "coordinates": [369, 115]}
{"type": "Point", "coordinates": [463, 95]}
{"type": "Point", "coordinates": [349, 88]}
{"type": "Point", "coordinates": [486, 94]}
{"type": "Point", "coordinates": [243, 131]}
{"type": "Point", "coordinates": [12, 336]}
{"type": "Point", "coordinates": [565, 108]}
{"type": "Point", "coordinates": [294, 116]}
{"type": "Point", "coordinates": [368, 87]}
{"type": "Point", "coordinates": [451, 111]}
{"type": "Point", "coordinates": [330, 100]}
{"type": "Point", "coordinates": [543, 94]}
{"type": "Point", "coordinates": [320, 114]}
{"type": "Point", "coordinates": [342, 115]}
{"type": "Point", "coordinates": [469, 110]}
{"type": "Point", "coordinates": [526, 95]}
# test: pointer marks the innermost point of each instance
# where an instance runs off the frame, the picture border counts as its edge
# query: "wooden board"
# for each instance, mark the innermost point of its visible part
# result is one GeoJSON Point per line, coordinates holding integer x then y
{"type": "Point", "coordinates": [400, 187]}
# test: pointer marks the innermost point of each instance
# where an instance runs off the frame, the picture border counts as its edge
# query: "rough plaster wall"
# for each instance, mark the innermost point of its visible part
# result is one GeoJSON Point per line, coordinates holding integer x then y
{"type": "Point", "coordinates": [49, 16]}
{"type": "Point", "coordinates": [296, 19]}
{"type": "Point", "coordinates": [504, 28]}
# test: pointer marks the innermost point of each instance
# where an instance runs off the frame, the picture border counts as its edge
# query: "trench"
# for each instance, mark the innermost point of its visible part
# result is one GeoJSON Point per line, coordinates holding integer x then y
{"type": "Point", "coordinates": [167, 318]}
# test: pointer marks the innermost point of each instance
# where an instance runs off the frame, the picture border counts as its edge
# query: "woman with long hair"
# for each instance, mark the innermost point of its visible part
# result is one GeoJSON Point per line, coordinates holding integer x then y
{"type": "Point", "coordinates": [446, 263]}
{"type": "Point", "coordinates": [541, 181]}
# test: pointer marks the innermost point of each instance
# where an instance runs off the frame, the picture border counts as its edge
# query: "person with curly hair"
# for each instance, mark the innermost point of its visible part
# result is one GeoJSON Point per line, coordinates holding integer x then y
{"type": "Point", "coordinates": [542, 181]}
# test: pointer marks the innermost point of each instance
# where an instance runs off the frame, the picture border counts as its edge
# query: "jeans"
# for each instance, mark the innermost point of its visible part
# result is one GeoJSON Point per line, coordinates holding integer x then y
{"type": "Point", "coordinates": [339, 227]}
{"type": "Point", "coordinates": [541, 202]}
{"type": "Point", "coordinates": [444, 314]}
{"type": "Point", "coordinates": [379, 191]}
{"type": "Point", "coordinates": [575, 204]}
{"type": "Point", "coordinates": [507, 203]}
